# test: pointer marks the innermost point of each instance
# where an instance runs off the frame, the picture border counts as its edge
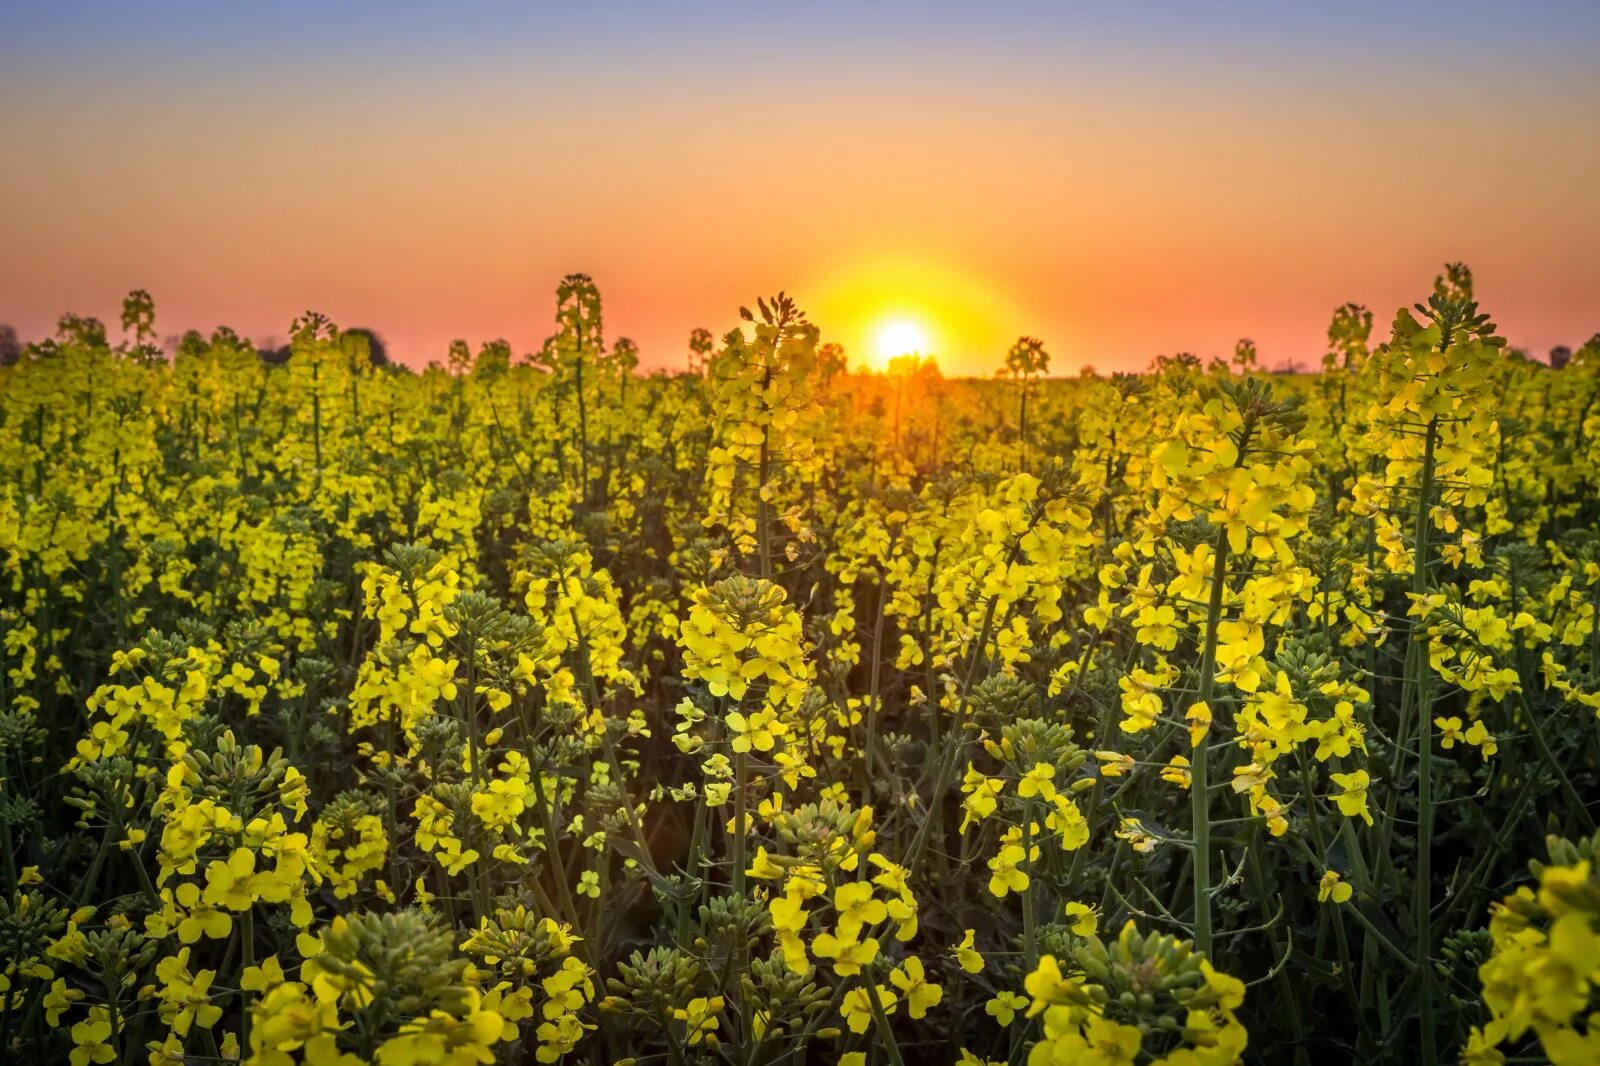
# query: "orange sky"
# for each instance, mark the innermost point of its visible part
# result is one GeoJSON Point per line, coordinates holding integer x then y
{"type": "Point", "coordinates": [1120, 191]}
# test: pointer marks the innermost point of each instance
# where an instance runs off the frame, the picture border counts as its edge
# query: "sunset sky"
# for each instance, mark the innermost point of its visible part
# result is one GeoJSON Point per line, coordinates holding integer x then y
{"type": "Point", "coordinates": [1120, 180]}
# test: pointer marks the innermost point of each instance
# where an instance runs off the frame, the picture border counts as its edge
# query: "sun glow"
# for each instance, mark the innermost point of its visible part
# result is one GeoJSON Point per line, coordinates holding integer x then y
{"type": "Point", "coordinates": [882, 308]}
{"type": "Point", "coordinates": [899, 336]}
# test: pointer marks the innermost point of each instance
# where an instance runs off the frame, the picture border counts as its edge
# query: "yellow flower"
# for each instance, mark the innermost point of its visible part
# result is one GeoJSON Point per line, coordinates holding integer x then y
{"type": "Point", "coordinates": [91, 1039]}
{"type": "Point", "coordinates": [268, 975]}
{"type": "Point", "coordinates": [857, 907]}
{"type": "Point", "coordinates": [230, 884]}
{"type": "Point", "coordinates": [1228, 989]}
{"type": "Point", "coordinates": [202, 919]}
{"type": "Point", "coordinates": [1004, 1006]}
{"type": "Point", "coordinates": [59, 999]}
{"type": "Point", "coordinates": [1352, 800]}
{"type": "Point", "coordinates": [1037, 782]}
{"type": "Point", "coordinates": [1115, 763]}
{"type": "Point", "coordinates": [1134, 833]}
{"type": "Point", "coordinates": [1478, 735]}
{"type": "Point", "coordinates": [847, 955]}
{"type": "Point", "coordinates": [857, 1010]}
{"type": "Point", "coordinates": [1047, 987]}
{"type": "Point", "coordinates": [914, 987]}
{"type": "Point", "coordinates": [1083, 918]}
{"type": "Point", "coordinates": [1066, 820]}
{"type": "Point", "coordinates": [1007, 877]}
{"type": "Point", "coordinates": [1450, 733]}
{"type": "Point", "coordinates": [186, 998]}
{"type": "Point", "coordinates": [982, 793]}
{"type": "Point", "coordinates": [968, 956]}
{"type": "Point", "coordinates": [700, 1016]}
{"type": "Point", "coordinates": [1331, 887]}
{"type": "Point", "coordinates": [763, 868]}
{"type": "Point", "coordinates": [759, 730]}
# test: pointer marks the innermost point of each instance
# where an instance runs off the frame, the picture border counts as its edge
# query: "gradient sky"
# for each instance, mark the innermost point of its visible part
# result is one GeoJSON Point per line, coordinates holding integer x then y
{"type": "Point", "coordinates": [1122, 179]}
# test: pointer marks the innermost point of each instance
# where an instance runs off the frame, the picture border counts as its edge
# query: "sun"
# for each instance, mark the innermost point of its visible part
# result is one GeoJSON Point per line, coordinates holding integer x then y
{"type": "Point", "coordinates": [900, 336]}
{"type": "Point", "coordinates": [884, 306]}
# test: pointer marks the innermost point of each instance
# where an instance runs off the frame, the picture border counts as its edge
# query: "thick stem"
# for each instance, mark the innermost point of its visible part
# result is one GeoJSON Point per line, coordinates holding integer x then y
{"type": "Point", "coordinates": [1420, 676]}
{"type": "Point", "coordinates": [868, 751]}
{"type": "Point", "coordinates": [1030, 941]}
{"type": "Point", "coordinates": [247, 934]}
{"type": "Point", "coordinates": [1199, 787]}
{"type": "Point", "coordinates": [882, 1020]}
{"type": "Point", "coordinates": [763, 471]}
{"type": "Point", "coordinates": [741, 773]}
{"type": "Point", "coordinates": [583, 435]}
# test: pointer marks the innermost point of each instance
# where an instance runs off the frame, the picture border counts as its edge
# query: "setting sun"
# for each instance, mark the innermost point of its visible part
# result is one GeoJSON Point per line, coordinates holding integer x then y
{"type": "Point", "coordinates": [900, 336]}
{"type": "Point", "coordinates": [885, 306]}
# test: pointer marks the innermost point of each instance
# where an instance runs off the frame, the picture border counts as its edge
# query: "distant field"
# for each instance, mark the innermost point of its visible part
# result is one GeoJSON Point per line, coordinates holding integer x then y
{"type": "Point", "coordinates": [772, 711]}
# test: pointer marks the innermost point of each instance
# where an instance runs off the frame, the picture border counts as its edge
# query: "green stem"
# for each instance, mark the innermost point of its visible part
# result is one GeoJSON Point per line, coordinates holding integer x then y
{"type": "Point", "coordinates": [1420, 675]}
{"type": "Point", "coordinates": [1030, 942]}
{"type": "Point", "coordinates": [1199, 789]}
{"type": "Point", "coordinates": [1554, 766]}
{"type": "Point", "coordinates": [247, 932]}
{"type": "Point", "coordinates": [868, 752]}
{"type": "Point", "coordinates": [741, 773]}
{"type": "Point", "coordinates": [882, 1021]}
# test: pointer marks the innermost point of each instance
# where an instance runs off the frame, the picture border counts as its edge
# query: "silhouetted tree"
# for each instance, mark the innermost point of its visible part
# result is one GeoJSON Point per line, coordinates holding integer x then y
{"type": "Point", "coordinates": [700, 346]}
{"type": "Point", "coordinates": [10, 347]}
{"type": "Point", "coordinates": [377, 350]}
{"type": "Point", "coordinates": [81, 329]}
{"type": "Point", "coordinates": [1026, 362]}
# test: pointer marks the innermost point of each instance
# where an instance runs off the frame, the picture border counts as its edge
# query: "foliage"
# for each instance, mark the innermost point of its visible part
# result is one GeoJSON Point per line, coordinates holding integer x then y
{"type": "Point", "coordinates": [525, 709]}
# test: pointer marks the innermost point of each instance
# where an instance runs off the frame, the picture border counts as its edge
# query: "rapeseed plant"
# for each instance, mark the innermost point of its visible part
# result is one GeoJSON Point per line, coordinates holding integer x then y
{"type": "Point", "coordinates": [526, 709]}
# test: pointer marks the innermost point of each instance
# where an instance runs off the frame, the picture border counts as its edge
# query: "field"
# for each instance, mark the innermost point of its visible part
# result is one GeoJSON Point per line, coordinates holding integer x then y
{"type": "Point", "coordinates": [531, 709]}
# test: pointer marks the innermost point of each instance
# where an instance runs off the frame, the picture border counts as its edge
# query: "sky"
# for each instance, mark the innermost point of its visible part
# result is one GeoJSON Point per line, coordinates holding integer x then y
{"type": "Point", "coordinates": [1121, 180]}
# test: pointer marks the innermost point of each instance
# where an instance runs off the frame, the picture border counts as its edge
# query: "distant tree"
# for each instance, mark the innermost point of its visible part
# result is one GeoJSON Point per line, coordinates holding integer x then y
{"type": "Point", "coordinates": [1347, 338]}
{"type": "Point", "coordinates": [377, 350]}
{"type": "Point", "coordinates": [1182, 361]}
{"type": "Point", "coordinates": [1244, 356]}
{"type": "Point", "coordinates": [81, 329]}
{"type": "Point", "coordinates": [626, 354]}
{"type": "Point", "coordinates": [494, 359]}
{"type": "Point", "coordinates": [139, 317]}
{"type": "Point", "coordinates": [1455, 283]}
{"type": "Point", "coordinates": [576, 353]}
{"type": "Point", "coordinates": [10, 347]}
{"type": "Point", "coordinates": [625, 360]}
{"type": "Point", "coordinates": [700, 346]}
{"type": "Point", "coordinates": [191, 345]}
{"type": "Point", "coordinates": [1026, 361]}
{"type": "Point", "coordinates": [831, 361]}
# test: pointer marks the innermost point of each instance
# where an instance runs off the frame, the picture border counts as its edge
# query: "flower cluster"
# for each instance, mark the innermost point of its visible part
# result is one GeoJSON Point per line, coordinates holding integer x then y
{"type": "Point", "coordinates": [525, 708]}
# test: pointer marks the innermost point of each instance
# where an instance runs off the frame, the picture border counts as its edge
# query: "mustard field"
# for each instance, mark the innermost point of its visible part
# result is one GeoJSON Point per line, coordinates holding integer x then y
{"type": "Point", "coordinates": [530, 708]}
